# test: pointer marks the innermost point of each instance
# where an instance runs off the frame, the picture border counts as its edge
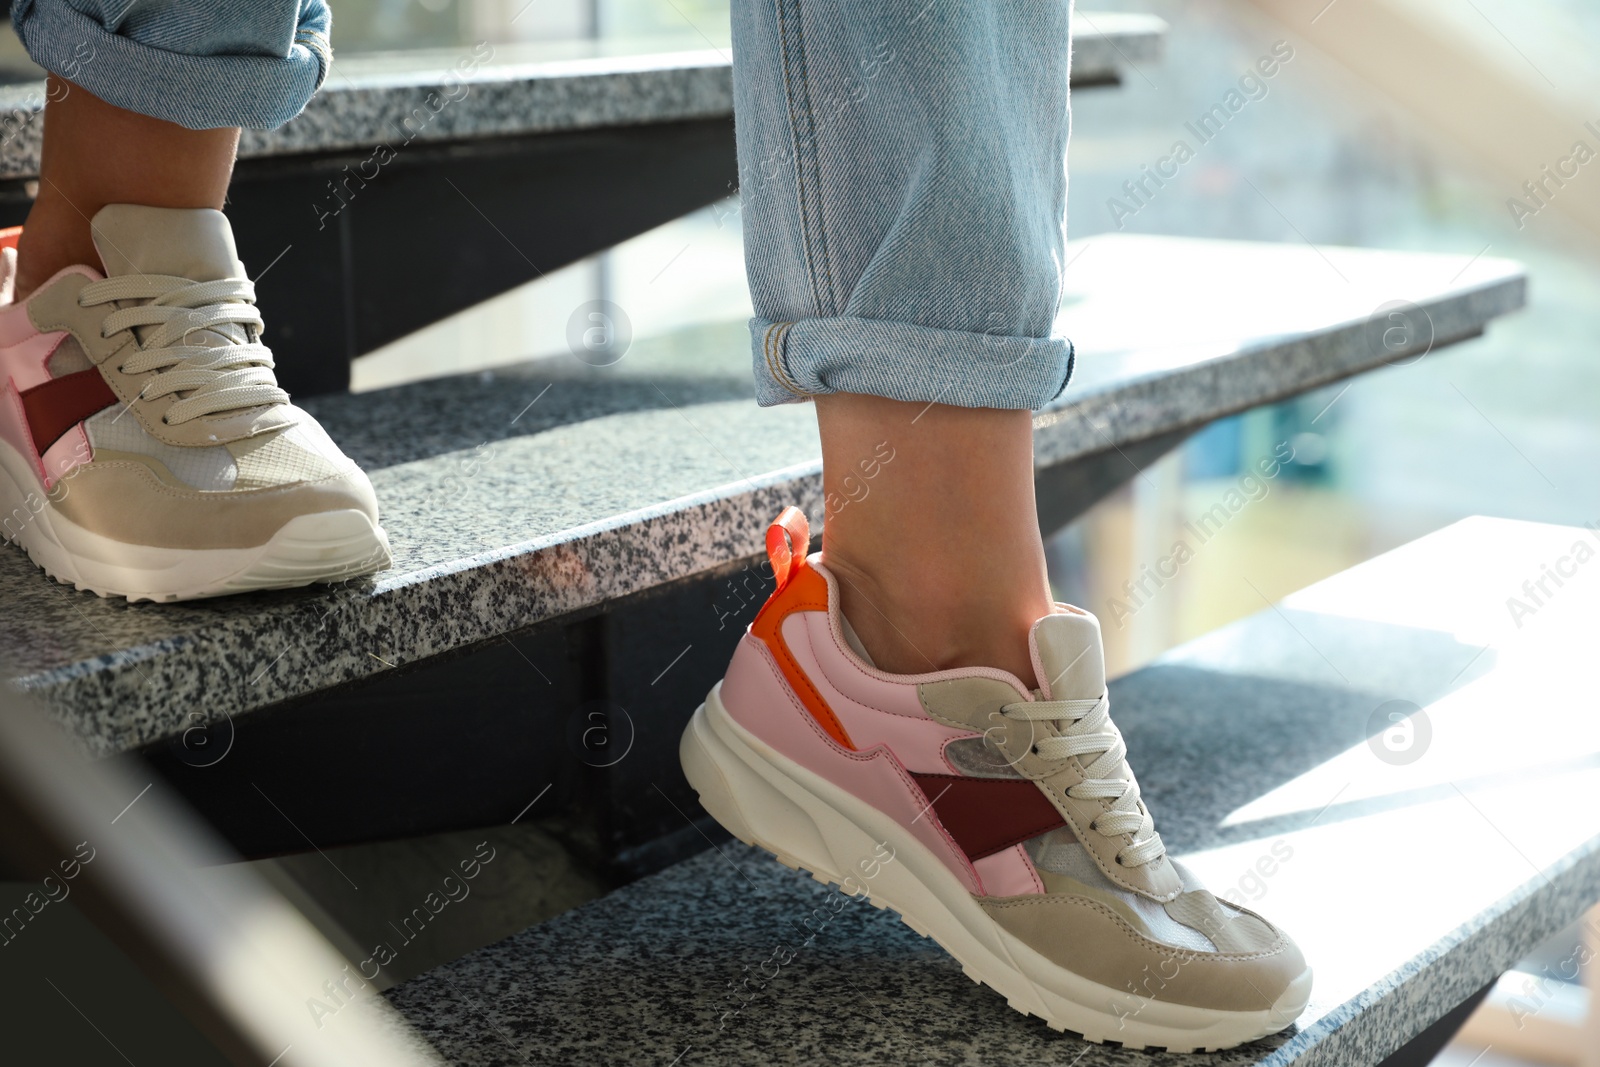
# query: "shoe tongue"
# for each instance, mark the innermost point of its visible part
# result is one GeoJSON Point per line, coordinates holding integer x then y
{"type": "Point", "coordinates": [1067, 656]}
{"type": "Point", "coordinates": [193, 243]}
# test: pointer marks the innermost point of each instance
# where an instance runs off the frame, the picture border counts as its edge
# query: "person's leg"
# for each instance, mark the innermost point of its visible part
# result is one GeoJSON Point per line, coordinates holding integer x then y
{"type": "Point", "coordinates": [158, 164]}
{"type": "Point", "coordinates": [902, 168]}
{"type": "Point", "coordinates": [153, 453]}
{"type": "Point", "coordinates": [903, 176]}
{"type": "Point", "coordinates": [940, 564]}
{"type": "Point", "coordinates": [145, 102]}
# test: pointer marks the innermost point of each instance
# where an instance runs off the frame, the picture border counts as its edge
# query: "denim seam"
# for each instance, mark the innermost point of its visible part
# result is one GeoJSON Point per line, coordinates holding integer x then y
{"type": "Point", "coordinates": [319, 45]}
{"type": "Point", "coordinates": [907, 362]}
{"type": "Point", "coordinates": [772, 348]}
{"type": "Point", "coordinates": [781, 350]}
{"type": "Point", "coordinates": [802, 187]}
{"type": "Point", "coordinates": [766, 352]}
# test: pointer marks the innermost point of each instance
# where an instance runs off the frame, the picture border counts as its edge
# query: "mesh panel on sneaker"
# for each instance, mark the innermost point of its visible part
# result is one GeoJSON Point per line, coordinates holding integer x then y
{"type": "Point", "coordinates": [1057, 852]}
{"type": "Point", "coordinates": [68, 358]}
{"type": "Point", "coordinates": [302, 453]}
{"type": "Point", "coordinates": [976, 758]}
{"type": "Point", "coordinates": [211, 468]}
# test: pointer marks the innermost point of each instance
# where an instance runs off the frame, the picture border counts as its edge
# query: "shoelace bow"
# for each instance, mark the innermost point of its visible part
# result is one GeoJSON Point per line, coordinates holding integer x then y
{"type": "Point", "coordinates": [213, 378]}
{"type": "Point", "coordinates": [1084, 728]}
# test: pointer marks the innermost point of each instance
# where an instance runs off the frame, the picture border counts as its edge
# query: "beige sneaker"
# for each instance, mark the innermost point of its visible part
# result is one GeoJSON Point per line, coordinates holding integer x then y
{"type": "Point", "coordinates": [998, 818]}
{"type": "Point", "coordinates": [146, 450]}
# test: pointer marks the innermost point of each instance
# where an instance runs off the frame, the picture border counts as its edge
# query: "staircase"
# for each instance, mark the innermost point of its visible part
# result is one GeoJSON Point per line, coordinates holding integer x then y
{"type": "Point", "coordinates": [557, 525]}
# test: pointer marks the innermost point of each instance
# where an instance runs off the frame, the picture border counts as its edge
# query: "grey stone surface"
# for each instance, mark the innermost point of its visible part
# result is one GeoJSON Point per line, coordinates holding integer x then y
{"type": "Point", "coordinates": [517, 495]}
{"type": "Point", "coordinates": [434, 96]}
{"type": "Point", "coordinates": [505, 90]}
{"type": "Point", "coordinates": [367, 103]}
{"type": "Point", "coordinates": [1411, 870]}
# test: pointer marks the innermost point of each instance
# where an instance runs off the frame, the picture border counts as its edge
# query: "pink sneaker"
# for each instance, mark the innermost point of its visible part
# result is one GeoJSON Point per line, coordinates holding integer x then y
{"type": "Point", "coordinates": [146, 450]}
{"type": "Point", "coordinates": [999, 819]}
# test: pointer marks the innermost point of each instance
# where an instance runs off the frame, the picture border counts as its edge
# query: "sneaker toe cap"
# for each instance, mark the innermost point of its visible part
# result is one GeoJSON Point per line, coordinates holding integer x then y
{"type": "Point", "coordinates": [1090, 939]}
{"type": "Point", "coordinates": [125, 501]}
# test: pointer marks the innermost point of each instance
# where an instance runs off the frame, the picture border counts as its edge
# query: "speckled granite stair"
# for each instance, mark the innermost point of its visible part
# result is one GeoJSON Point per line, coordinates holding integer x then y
{"type": "Point", "coordinates": [521, 494]}
{"type": "Point", "coordinates": [511, 89]}
{"type": "Point", "coordinates": [1413, 862]}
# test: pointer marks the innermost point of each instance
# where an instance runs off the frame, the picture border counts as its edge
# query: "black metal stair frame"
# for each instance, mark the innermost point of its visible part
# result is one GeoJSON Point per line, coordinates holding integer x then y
{"type": "Point", "coordinates": [357, 263]}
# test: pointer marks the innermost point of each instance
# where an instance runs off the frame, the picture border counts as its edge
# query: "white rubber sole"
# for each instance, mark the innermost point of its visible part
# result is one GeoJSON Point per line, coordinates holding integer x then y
{"type": "Point", "coordinates": [767, 800]}
{"type": "Point", "coordinates": [328, 546]}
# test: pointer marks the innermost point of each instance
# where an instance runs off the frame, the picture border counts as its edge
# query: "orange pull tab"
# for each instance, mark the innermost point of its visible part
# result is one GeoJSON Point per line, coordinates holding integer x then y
{"type": "Point", "coordinates": [9, 236]}
{"type": "Point", "coordinates": [788, 542]}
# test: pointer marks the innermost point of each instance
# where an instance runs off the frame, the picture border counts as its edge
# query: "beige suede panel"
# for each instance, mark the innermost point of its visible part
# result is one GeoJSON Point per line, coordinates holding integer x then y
{"type": "Point", "coordinates": [194, 243]}
{"type": "Point", "coordinates": [55, 308]}
{"type": "Point", "coordinates": [1230, 931]}
{"type": "Point", "coordinates": [975, 703]}
{"type": "Point", "coordinates": [124, 500]}
{"type": "Point", "coordinates": [1091, 940]}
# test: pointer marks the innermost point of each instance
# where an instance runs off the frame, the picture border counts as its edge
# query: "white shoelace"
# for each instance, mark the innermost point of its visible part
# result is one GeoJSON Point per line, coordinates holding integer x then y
{"type": "Point", "coordinates": [214, 378]}
{"type": "Point", "coordinates": [1085, 728]}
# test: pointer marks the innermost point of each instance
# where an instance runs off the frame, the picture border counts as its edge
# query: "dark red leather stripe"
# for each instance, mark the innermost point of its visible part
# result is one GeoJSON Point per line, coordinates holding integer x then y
{"type": "Point", "coordinates": [988, 815]}
{"type": "Point", "coordinates": [61, 403]}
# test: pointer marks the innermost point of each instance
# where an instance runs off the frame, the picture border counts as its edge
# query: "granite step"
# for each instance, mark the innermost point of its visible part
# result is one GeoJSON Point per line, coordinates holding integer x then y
{"type": "Point", "coordinates": [507, 90]}
{"type": "Point", "coordinates": [1391, 763]}
{"type": "Point", "coordinates": [529, 493]}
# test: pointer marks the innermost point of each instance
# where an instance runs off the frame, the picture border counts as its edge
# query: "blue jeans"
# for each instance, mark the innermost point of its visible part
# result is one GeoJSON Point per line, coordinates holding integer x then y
{"type": "Point", "coordinates": [902, 168]}
{"type": "Point", "coordinates": [202, 65]}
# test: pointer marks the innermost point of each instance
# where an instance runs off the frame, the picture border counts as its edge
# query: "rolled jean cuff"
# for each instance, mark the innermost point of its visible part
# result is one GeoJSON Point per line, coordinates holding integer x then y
{"type": "Point", "coordinates": [201, 92]}
{"type": "Point", "coordinates": [797, 360]}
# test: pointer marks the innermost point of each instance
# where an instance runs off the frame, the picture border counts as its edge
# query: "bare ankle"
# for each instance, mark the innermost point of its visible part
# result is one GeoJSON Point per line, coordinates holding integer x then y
{"type": "Point", "coordinates": [934, 536]}
{"type": "Point", "coordinates": [53, 238]}
{"type": "Point", "coordinates": [914, 627]}
{"type": "Point", "coordinates": [158, 163]}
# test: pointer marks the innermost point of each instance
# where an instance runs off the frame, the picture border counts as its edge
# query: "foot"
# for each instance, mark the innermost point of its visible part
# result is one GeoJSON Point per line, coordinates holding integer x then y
{"type": "Point", "coordinates": [1017, 836]}
{"type": "Point", "coordinates": [146, 450]}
